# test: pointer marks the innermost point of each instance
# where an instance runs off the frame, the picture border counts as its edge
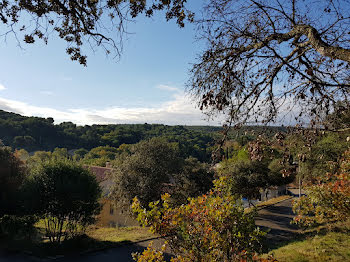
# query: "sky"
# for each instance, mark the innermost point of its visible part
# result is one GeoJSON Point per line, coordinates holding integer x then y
{"type": "Point", "coordinates": [147, 83]}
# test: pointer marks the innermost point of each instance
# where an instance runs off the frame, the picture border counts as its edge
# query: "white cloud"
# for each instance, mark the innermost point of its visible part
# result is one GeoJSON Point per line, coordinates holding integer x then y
{"type": "Point", "coordinates": [47, 92]}
{"type": "Point", "coordinates": [168, 88]}
{"type": "Point", "coordinates": [2, 87]}
{"type": "Point", "coordinates": [178, 111]}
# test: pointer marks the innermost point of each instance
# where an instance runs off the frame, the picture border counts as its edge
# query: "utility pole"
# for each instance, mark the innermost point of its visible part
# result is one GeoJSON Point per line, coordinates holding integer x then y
{"type": "Point", "coordinates": [301, 159]}
{"type": "Point", "coordinates": [299, 182]}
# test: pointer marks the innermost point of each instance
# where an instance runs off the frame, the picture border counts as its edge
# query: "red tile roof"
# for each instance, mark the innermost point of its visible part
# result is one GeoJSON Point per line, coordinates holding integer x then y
{"type": "Point", "coordinates": [101, 173]}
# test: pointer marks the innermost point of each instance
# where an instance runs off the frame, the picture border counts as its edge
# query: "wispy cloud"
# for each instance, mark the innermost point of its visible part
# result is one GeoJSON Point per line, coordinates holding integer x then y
{"type": "Point", "coordinates": [47, 92]}
{"type": "Point", "coordinates": [2, 87]}
{"type": "Point", "coordinates": [178, 111]}
{"type": "Point", "coordinates": [168, 88]}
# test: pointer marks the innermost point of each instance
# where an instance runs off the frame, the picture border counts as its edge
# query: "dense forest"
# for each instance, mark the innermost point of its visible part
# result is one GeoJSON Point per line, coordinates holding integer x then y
{"type": "Point", "coordinates": [35, 133]}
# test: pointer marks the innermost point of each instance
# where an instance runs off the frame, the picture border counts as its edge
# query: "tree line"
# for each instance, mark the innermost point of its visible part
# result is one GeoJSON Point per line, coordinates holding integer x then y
{"type": "Point", "coordinates": [41, 134]}
{"type": "Point", "coordinates": [35, 133]}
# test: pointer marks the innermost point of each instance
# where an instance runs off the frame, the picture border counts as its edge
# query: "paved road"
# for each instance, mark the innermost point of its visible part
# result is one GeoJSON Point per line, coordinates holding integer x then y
{"type": "Point", "coordinates": [119, 254]}
{"type": "Point", "coordinates": [276, 217]}
{"type": "Point", "coordinates": [9, 256]}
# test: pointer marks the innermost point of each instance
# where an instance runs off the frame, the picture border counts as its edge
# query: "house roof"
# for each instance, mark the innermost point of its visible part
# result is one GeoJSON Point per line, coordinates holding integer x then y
{"type": "Point", "coordinates": [103, 176]}
{"type": "Point", "coordinates": [101, 173]}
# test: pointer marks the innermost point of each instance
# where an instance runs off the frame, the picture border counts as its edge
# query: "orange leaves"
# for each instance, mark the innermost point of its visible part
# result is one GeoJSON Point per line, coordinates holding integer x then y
{"type": "Point", "coordinates": [211, 227]}
{"type": "Point", "coordinates": [328, 199]}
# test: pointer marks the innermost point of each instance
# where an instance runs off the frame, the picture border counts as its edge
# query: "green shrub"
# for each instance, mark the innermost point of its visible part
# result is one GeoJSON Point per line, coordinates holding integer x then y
{"type": "Point", "coordinates": [65, 195]}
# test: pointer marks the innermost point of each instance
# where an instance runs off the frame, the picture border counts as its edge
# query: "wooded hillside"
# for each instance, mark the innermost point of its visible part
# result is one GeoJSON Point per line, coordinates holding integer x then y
{"type": "Point", "coordinates": [36, 133]}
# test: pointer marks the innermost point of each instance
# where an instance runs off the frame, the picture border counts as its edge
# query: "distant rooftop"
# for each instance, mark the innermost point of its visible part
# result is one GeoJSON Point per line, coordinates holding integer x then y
{"type": "Point", "coordinates": [101, 173]}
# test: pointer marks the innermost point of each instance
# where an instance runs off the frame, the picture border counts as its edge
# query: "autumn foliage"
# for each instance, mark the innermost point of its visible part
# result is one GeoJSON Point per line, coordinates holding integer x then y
{"type": "Point", "coordinates": [328, 199]}
{"type": "Point", "coordinates": [212, 227]}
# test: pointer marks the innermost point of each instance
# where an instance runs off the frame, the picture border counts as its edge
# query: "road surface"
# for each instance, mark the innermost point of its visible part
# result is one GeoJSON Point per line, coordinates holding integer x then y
{"type": "Point", "coordinates": [277, 218]}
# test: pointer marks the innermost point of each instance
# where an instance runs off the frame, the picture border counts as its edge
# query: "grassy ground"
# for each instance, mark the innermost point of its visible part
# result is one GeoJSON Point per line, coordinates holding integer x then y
{"type": "Point", "coordinates": [320, 244]}
{"type": "Point", "coordinates": [95, 238]}
{"type": "Point", "coordinates": [334, 246]}
{"type": "Point", "coordinates": [112, 234]}
{"type": "Point", "coordinates": [121, 234]}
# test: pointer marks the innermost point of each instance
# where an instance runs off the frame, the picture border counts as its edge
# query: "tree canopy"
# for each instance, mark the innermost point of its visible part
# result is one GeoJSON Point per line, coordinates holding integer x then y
{"type": "Point", "coordinates": [151, 165]}
{"type": "Point", "coordinates": [96, 23]}
{"type": "Point", "coordinates": [264, 57]}
{"type": "Point", "coordinates": [45, 135]}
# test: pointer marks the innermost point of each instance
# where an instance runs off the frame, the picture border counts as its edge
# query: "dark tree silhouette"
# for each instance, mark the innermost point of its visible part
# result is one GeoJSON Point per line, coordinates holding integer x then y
{"type": "Point", "coordinates": [96, 23]}
{"type": "Point", "coordinates": [263, 56]}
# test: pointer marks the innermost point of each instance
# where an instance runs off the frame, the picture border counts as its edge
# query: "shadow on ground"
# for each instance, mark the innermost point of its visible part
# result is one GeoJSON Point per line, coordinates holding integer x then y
{"type": "Point", "coordinates": [82, 248]}
{"type": "Point", "coordinates": [276, 220]}
{"type": "Point", "coordinates": [122, 253]}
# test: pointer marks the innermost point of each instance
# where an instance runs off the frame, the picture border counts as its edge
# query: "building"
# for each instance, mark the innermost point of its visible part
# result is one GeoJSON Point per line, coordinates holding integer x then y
{"type": "Point", "coordinates": [110, 216]}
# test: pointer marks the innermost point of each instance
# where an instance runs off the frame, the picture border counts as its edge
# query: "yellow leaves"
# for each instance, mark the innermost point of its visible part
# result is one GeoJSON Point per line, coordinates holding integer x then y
{"type": "Point", "coordinates": [150, 255]}
{"type": "Point", "coordinates": [204, 229]}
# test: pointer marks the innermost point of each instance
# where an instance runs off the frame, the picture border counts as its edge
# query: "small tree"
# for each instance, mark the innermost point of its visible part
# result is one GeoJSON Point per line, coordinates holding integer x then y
{"type": "Point", "coordinates": [79, 153]}
{"type": "Point", "coordinates": [12, 174]}
{"type": "Point", "coordinates": [246, 178]}
{"type": "Point", "coordinates": [212, 227]}
{"type": "Point", "coordinates": [22, 154]}
{"type": "Point", "coordinates": [262, 163]}
{"type": "Point", "coordinates": [64, 194]}
{"type": "Point", "coordinates": [13, 219]}
{"type": "Point", "coordinates": [195, 179]}
{"type": "Point", "coordinates": [27, 142]}
{"type": "Point", "coordinates": [152, 164]}
{"type": "Point", "coordinates": [38, 158]}
{"type": "Point", "coordinates": [60, 154]}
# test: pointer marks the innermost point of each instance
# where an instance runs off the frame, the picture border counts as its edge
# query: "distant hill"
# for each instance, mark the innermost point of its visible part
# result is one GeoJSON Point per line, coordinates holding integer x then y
{"type": "Point", "coordinates": [245, 130]}
{"type": "Point", "coordinates": [36, 133]}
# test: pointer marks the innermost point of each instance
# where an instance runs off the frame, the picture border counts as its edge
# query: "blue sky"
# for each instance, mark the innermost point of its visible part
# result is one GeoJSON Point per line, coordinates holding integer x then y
{"type": "Point", "coordinates": [145, 85]}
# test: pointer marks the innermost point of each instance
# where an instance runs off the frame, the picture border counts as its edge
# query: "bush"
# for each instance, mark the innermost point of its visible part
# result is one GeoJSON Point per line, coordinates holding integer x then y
{"type": "Point", "coordinates": [13, 226]}
{"type": "Point", "coordinates": [328, 198]}
{"type": "Point", "coordinates": [212, 227]}
{"type": "Point", "coordinates": [12, 174]}
{"type": "Point", "coordinates": [65, 195]}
